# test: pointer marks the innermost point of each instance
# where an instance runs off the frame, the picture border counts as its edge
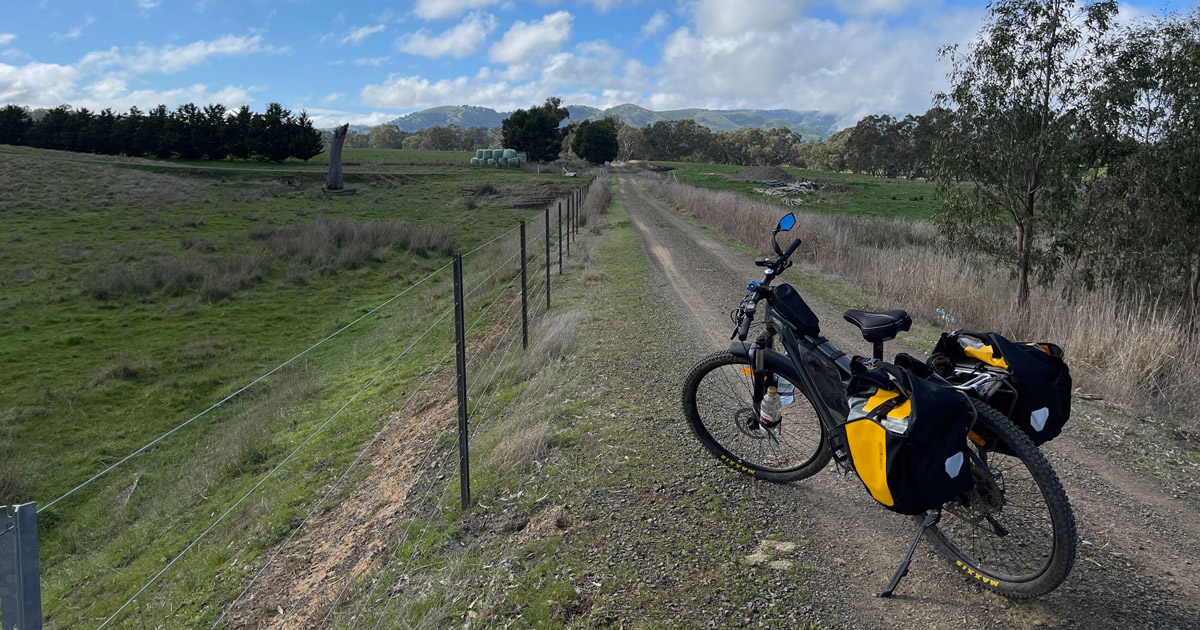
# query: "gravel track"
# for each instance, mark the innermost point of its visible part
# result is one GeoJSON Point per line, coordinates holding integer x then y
{"type": "Point", "coordinates": [1139, 537]}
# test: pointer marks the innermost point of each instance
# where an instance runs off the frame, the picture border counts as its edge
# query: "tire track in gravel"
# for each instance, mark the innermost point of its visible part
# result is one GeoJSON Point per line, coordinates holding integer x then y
{"type": "Point", "coordinates": [1134, 570]}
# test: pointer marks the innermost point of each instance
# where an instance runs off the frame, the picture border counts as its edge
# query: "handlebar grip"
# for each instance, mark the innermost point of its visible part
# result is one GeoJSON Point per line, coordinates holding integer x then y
{"type": "Point", "coordinates": [744, 328]}
{"type": "Point", "coordinates": [790, 250]}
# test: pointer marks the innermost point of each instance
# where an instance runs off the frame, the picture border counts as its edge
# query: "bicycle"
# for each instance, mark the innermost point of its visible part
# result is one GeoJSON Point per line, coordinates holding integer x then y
{"type": "Point", "coordinates": [1013, 532]}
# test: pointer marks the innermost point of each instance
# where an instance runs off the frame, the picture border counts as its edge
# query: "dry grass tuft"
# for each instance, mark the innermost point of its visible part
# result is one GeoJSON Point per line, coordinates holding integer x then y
{"type": "Point", "coordinates": [598, 199]}
{"type": "Point", "coordinates": [550, 340]}
{"type": "Point", "coordinates": [1134, 352]}
{"type": "Point", "coordinates": [121, 367]}
{"type": "Point", "coordinates": [521, 448]}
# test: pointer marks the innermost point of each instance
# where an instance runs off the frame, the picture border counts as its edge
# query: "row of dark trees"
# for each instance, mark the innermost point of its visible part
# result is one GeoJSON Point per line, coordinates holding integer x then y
{"type": "Point", "coordinates": [188, 132]}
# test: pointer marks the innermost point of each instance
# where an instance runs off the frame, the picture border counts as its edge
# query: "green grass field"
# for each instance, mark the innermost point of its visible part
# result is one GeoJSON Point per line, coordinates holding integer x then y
{"type": "Point", "coordinates": [134, 296]}
{"type": "Point", "coordinates": [866, 196]}
{"type": "Point", "coordinates": [351, 159]}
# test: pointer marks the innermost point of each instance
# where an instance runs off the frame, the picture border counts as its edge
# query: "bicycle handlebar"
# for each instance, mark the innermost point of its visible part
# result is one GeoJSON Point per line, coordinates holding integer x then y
{"type": "Point", "coordinates": [791, 250]}
{"type": "Point", "coordinates": [759, 290]}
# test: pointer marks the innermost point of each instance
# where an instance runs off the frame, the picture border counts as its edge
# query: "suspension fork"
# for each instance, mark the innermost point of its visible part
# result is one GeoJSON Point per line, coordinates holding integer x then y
{"type": "Point", "coordinates": [761, 377]}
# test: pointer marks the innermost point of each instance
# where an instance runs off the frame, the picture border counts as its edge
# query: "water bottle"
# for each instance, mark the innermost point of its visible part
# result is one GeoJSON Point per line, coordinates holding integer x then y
{"type": "Point", "coordinates": [770, 412]}
{"type": "Point", "coordinates": [787, 391]}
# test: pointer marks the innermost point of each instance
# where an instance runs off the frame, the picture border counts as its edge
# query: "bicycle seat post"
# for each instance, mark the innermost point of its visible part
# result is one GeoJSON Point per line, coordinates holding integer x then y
{"type": "Point", "coordinates": [877, 350]}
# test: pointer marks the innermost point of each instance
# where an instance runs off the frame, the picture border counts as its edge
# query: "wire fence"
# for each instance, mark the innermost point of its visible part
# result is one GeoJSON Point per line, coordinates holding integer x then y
{"type": "Point", "coordinates": [506, 290]}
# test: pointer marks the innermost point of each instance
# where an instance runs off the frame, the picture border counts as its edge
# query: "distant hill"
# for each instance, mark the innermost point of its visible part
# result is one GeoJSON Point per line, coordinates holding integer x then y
{"type": "Point", "coordinates": [811, 124]}
{"type": "Point", "coordinates": [462, 115]}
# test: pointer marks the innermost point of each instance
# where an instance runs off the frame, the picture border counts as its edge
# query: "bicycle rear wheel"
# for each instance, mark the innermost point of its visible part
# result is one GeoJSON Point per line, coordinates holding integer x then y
{"type": "Point", "coordinates": [1014, 531]}
{"type": "Point", "coordinates": [718, 402]}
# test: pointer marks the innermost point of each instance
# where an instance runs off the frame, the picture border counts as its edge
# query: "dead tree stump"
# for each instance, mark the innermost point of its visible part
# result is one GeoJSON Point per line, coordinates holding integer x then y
{"type": "Point", "coordinates": [333, 181]}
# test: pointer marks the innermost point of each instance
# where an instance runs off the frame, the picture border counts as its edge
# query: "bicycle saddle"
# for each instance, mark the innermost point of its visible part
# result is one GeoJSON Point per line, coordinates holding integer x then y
{"type": "Point", "coordinates": [879, 326]}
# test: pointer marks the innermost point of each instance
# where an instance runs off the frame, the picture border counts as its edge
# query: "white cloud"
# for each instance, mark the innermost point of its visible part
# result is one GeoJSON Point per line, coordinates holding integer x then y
{"type": "Point", "coordinates": [330, 118]}
{"type": "Point", "coordinates": [871, 7]}
{"type": "Point", "coordinates": [604, 6]}
{"type": "Point", "coordinates": [441, 9]}
{"type": "Point", "coordinates": [37, 84]}
{"type": "Point", "coordinates": [806, 64]}
{"type": "Point", "coordinates": [170, 58]}
{"type": "Point", "coordinates": [721, 17]}
{"type": "Point", "coordinates": [359, 34]}
{"type": "Point", "coordinates": [149, 4]}
{"type": "Point", "coordinates": [6, 38]}
{"type": "Point", "coordinates": [566, 74]}
{"type": "Point", "coordinates": [415, 92]}
{"type": "Point", "coordinates": [374, 62]}
{"type": "Point", "coordinates": [458, 42]}
{"type": "Point", "coordinates": [113, 93]}
{"type": "Point", "coordinates": [526, 39]}
{"type": "Point", "coordinates": [656, 23]}
{"type": "Point", "coordinates": [74, 33]}
{"type": "Point", "coordinates": [329, 99]}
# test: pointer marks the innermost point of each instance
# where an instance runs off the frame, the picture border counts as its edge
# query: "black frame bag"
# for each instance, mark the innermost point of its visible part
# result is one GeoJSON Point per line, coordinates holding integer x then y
{"type": "Point", "coordinates": [1039, 397]}
{"type": "Point", "coordinates": [907, 437]}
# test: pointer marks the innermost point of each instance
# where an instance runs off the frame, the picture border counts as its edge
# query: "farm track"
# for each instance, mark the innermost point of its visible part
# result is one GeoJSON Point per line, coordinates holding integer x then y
{"type": "Point", "coordinates": [1139, 538]}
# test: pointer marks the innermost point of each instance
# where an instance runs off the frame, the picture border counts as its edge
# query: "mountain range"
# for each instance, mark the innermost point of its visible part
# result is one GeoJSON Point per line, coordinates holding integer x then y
{"type": "Point", "coordinates": [811, 124]}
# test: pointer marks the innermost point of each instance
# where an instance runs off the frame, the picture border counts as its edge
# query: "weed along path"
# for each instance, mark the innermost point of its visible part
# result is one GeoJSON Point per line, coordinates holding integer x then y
{"type": "Point", "coordinates": [1139, 538]}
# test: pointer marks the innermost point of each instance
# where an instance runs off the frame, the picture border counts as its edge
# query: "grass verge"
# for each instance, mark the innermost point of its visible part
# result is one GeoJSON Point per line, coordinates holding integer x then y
{"type": "Point", "coordinates": [585, 513]}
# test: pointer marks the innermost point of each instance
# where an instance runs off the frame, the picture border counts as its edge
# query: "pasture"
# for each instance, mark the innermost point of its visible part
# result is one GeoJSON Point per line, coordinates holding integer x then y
{"type": "Point", "coordinates": [136, 293]}
{"type": "Point", "coordinates": [853, 195]}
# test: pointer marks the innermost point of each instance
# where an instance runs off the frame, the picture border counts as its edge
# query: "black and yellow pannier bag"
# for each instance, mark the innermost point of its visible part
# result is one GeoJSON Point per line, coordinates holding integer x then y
{"type": "Point", "coordinates": [907, 436]}
{"type": "Point", "coordinates": [1038, 398]}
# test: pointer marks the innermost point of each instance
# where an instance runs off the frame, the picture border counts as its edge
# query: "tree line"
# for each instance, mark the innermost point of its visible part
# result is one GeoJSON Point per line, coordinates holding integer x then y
{"type": "Point", "coordinates": [188, 132]}
{"type": "Point", "coordinates": [879, 145]}
{"type": "Point", "coordinates": [437, 138]}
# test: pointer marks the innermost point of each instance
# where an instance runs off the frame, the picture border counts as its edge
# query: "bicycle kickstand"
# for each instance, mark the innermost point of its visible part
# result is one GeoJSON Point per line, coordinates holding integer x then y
{"type": "Point", "coordinates": [931, 519]}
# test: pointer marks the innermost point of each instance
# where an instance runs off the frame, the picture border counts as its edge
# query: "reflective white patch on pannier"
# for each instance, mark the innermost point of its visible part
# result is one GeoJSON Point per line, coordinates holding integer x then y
{"type": "Point", "coordinates": [954, 464]}
{"type": "Point", "coordinates": [1038, 418]}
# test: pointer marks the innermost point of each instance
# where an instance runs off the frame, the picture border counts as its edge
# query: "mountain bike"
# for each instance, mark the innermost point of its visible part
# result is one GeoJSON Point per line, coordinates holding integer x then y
{"type": "Point", "coordinates": [1013, 532]}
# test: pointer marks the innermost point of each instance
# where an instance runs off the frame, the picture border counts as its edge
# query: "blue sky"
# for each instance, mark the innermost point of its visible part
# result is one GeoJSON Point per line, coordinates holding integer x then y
{"type": "Point", "coordinates": [369, 61]}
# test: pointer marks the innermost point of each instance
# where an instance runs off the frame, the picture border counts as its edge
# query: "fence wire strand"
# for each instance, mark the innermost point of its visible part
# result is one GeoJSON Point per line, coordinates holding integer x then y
{"type": "Point", "coordinates": [490, 382]}
{"type": "Point", "coordinates": [495, 357]}
{"type": "Point", "coordinates": [272, 472]}
{"type": "Point", "coordinates": [490, 355]}
{"type": "Point", "coordinates": [239, 391]}
{"type": "Point", "coordinates": [429, 521]}
{"type": "Point", "coordinates": [333, 487]}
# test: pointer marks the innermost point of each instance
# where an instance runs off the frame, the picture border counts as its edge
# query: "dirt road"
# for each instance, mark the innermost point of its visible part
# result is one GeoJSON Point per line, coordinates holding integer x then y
{"type": "Point", "coordinates": [1139, 541]}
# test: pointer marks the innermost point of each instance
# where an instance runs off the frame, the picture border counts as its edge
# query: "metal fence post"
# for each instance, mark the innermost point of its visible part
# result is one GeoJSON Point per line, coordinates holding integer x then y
{"type": "Point", "coordinates": [460, 338]}
{"type": "Point", "coordinates": [524, 293]}
{"type": "Point", "coordinates": [547, 258]}
{"type": "Point", "coordinates": [560, 238]}
{"type": "Point", "coordinates": [569, 226]}
{"type": "Point", "coordinates": [20, 585]}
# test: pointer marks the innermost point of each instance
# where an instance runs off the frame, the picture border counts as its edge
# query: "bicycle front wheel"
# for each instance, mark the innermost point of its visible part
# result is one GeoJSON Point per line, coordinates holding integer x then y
{"type": "Point", "coordinates": [1014, 531]}
{"type": "Point", "coordinates": [719, 405]}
